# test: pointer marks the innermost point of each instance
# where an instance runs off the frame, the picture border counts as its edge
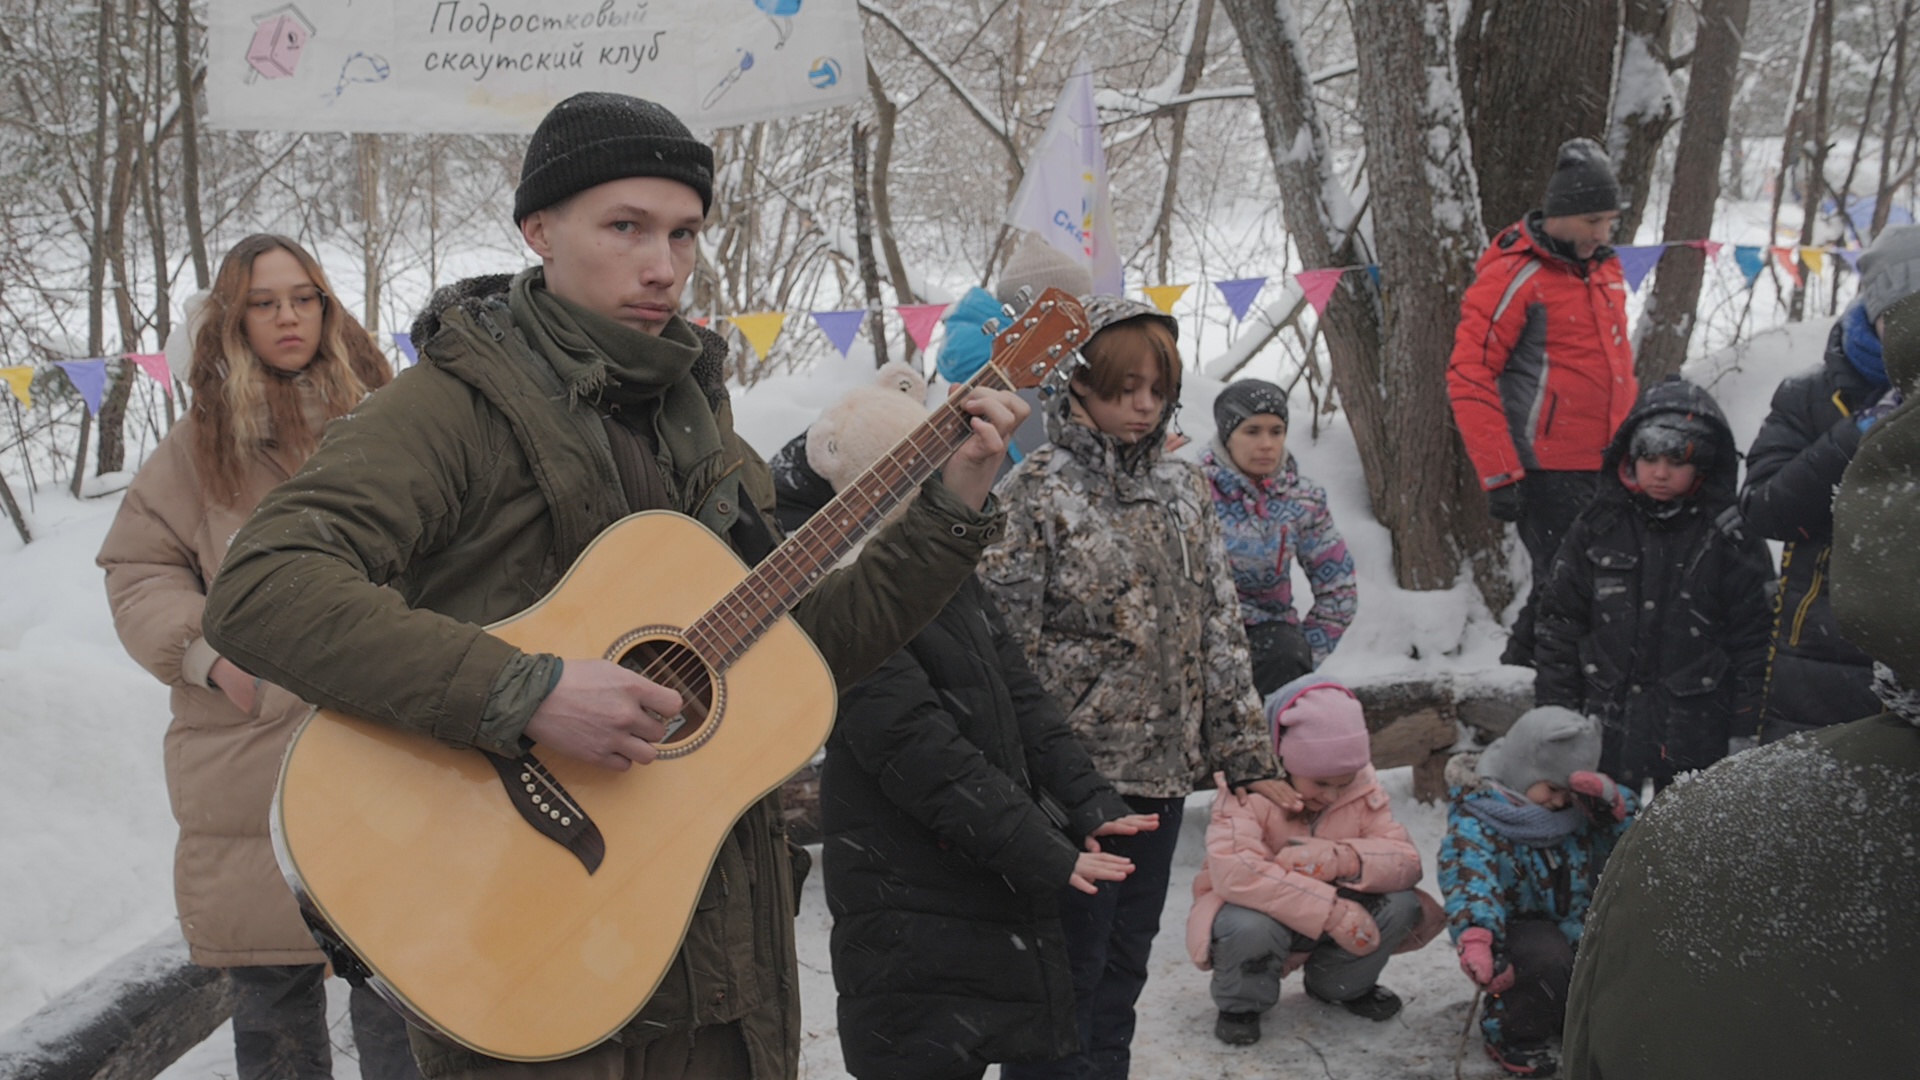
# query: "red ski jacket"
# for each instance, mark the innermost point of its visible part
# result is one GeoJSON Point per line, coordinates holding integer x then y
{"type": "Point", "coordinates": [1542, 371]}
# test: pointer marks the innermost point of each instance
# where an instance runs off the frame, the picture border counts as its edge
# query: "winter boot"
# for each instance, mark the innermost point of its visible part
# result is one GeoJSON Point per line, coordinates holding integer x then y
{"type": "Point", "coordinates": [1525, 1059]}
{"type": "Point", "coordinates": [1376, 1003]}
{"type": "Point", "coordinates": [1237, 1028]}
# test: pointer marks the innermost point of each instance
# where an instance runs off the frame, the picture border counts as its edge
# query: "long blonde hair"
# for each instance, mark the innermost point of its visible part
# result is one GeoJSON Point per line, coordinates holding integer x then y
{"type": "Point", "coordinates": [230, 384]}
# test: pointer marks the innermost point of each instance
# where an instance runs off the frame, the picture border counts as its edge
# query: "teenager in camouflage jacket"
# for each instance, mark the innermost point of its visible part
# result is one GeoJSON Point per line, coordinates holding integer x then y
{"type": "Point", "coordinates": [1117, 587]}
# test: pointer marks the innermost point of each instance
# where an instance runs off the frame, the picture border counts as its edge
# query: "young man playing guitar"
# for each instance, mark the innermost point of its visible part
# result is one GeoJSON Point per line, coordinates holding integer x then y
{"type": "Point", "coordinates": [547, 406]}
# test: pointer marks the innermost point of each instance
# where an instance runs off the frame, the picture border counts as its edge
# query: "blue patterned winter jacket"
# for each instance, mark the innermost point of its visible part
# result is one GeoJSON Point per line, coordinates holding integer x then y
{"type": "Point", "coordinates": [1267, 524]}
{"type": "Point", "coordinates": [1488, 878]}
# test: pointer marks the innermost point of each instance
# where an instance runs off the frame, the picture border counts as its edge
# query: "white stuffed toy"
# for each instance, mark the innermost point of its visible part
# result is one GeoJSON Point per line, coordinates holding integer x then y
{"type": "Point", "coordinates": [853, 432]}
{"type": "Point", "coordinates": [179, 343]}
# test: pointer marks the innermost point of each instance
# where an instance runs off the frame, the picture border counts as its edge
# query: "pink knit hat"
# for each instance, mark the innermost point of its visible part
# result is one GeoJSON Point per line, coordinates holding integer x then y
{"type": "Point", "coordinates": [1318, 728]}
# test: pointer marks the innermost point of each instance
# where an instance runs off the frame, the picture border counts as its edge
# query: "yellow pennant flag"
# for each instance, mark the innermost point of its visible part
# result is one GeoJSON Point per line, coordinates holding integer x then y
{"type": "Point", "coordinates": [760, 328]}
{"type": "Point", "coordinates": [20, 381]}
{"type": "Point", "coordinates": [1814, 257]}
{"type": "Point", "coordinates": [1165, 296]}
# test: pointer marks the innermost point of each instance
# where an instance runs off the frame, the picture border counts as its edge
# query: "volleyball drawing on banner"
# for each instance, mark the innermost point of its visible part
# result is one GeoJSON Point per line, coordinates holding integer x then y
{"type": "Point", "coordinates": [499, 65]}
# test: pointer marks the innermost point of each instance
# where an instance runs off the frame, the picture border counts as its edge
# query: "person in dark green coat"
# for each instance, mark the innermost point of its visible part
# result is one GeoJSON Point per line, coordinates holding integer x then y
{"type": "Point", "coordinates": [1763, 919]}
{"type": "Point", "coordinates": [547, 406]}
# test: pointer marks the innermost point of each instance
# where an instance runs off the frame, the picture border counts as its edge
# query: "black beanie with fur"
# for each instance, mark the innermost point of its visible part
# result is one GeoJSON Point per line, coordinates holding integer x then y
{"type": "Point", "coordinates": [594, 137]}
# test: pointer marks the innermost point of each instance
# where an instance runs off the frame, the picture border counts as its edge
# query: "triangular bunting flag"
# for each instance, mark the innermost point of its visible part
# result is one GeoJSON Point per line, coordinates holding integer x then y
{"type": "Point", "coordinates": [1373, 271]}
{"type": "Point", "coordinates": [1815, 258]}
{"type": "Point", "coordinates": [1750, 261]}
{"type": "Point", "coordinates": [89, 377]}
{"type": "Point", "coordinates": [1239, 293]}
{"type": "Point", "coordinates": [840, 326]}
{"type": "Point", "coordinates": [404, 342]}
{"type": "Point", "coordinates": [20, 381]}
{"type": "Point", "coordinates": [1318, 285]}
{"type": "Point", "coordinates": [1636, 260]}
{"type": "Point", "coordinates": [701, 321]}
{"type": "Point", "coordinates": [920, 320]}
{"type": "Point", "coordinates": [760, 328]}
{"type": "Point", "coordinates": [155, 365]}
{"type": "Point", "coordinates": [1165, 296]}
{"type": "Point", "coordinates": [1788, 258]}
{"type": "Point", "coordinates": [1851, 256]}
{"type": "Point", "coordinates": [1710, 247]}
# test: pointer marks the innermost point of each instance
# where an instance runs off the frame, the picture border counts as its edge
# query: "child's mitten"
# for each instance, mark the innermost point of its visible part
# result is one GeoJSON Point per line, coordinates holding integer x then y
{"type": "Point", "coordinates": [1599, 796]}
{"type": "Point", "coordinates": [1352, 928]}
{"type": "Point", "coordinates": [1327, 860]}
{"type": "Point", "coordinates": [1477, 960]}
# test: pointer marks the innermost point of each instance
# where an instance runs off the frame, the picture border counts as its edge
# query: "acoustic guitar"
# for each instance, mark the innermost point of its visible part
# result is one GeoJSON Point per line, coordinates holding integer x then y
{"type": "Point", "coordinates": [527, 908]}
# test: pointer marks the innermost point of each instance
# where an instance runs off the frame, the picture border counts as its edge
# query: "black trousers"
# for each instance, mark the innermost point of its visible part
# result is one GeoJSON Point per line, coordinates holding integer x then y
{"type": "Point", "coordinates": [1534, 1008]}
{"type": "Point", "coordinates": [1549, 503]}
{"type": "Point", "coordinates": [280, 1027]}
{"type": "Point", "coordinates": [1109, 938]}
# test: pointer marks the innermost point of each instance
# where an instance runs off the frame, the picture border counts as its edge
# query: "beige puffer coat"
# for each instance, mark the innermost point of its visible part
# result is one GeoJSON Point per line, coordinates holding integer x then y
{"type": "Point", "coordinates": [166, 544]}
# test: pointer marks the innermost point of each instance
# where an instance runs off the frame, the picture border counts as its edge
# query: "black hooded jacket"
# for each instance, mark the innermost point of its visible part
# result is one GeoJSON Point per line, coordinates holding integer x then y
{"type": "Point", "coordinates": [1654, 618]}
{"type": "Point", "coordinates": [941, 866]}
{"type": "Point", "coordinates": [1815, 677]}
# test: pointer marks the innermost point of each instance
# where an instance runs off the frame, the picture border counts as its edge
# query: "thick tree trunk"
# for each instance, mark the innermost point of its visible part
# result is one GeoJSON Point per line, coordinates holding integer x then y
{"type": "Point", "coordinates": [113, 408]}
{"type": "Point", "coordinates": [1428, 233]}
{"type": "Point", "coordinates": [1667, 324]}
{"type": "Point", "coordinates": [1533, 74]}
{"type": "Point", "coordinates": [1643, 106]}
{"type": "Point", "coordinates": [863, 240]}
{"type": "Point", "coordinates": [886, 116]}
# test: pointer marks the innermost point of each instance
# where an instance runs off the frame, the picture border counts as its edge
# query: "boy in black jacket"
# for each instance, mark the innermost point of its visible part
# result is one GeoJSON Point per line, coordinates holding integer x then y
{"type": "Point", "coordinates": [955, 803]}
{"type": "Point", "coordinates": [1654, 619]}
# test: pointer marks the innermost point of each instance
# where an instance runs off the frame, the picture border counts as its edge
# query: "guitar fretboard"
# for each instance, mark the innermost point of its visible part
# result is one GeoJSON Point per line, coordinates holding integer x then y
{"type": "Point", "coordinates": [730, 628]}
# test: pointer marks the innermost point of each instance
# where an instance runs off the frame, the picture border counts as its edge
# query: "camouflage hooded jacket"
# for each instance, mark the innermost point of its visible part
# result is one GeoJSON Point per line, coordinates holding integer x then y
{"type": "Point", "coordinates": [1115, 581]}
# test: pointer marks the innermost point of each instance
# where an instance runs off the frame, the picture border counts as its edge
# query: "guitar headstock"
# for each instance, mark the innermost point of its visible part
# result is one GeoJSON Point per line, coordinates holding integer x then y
{"type": "Point", "coordinates": [1040, 337]}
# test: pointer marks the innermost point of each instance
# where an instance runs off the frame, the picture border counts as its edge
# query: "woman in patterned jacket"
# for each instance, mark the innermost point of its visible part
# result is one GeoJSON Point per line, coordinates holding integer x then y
{"type": "Point", "coordinates": [1271, 516]}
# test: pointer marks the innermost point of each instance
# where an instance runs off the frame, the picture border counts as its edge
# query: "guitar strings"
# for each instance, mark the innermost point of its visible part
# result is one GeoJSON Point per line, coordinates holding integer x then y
{"type": "Point", "coordinates": [682, 662]}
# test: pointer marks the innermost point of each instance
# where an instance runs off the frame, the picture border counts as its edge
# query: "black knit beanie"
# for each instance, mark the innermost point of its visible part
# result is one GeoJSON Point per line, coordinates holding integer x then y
{"type": "Point", "coordinates": [1243, 400]}
{"type": "Point", "coordinates": [594, 137]}
{"type": "Point", "coordinates": [1582, 181]}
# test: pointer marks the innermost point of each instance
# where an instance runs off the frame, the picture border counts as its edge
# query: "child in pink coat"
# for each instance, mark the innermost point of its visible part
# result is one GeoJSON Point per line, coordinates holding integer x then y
{"type": "Point", "coordinates": [1330, 887]}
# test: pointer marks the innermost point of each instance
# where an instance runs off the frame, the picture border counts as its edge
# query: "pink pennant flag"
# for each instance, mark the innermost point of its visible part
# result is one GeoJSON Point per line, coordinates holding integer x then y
{"type": "Point", "coordinates": [1790, 259]}
{"type": "Point", "coordinates": [1710, 247]}
{"type": "Point", "coordinates": [920, 320]}
{"type": "Point", "coordinates": [1239, 293]}
{"type": "Point", "coordinates": [840, 326]}
{"type": "Point", "coordinates": [155, 365]}
{"type": "Point", "coordinates": [1636, 260]}
{"type": "Point", "coordinates": [1318, 285]}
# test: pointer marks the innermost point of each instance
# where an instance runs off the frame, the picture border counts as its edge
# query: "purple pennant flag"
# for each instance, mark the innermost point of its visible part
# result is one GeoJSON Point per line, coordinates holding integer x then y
{"type": "Point", "coordinates": [1852, 255]}
{"type": "Point", "coordinates": [1635, 261]}
{"type": "Point", "coordinates": [841, 326]}
{"type": "Point", "coordinates": [404, 342]}
{"type": "Point", "coordinates": [89, 377]}
{"type": "Point", "coordinates": [1751, 261]}
{"type": "Point", "coordinates": [1239, 293]}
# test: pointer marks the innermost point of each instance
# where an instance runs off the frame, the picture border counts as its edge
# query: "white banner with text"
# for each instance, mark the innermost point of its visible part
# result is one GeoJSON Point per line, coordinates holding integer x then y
{"type": "Point", "coordinates": [498, 65]}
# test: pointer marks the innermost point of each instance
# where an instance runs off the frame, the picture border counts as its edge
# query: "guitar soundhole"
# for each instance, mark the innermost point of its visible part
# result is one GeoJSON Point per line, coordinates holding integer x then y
{"type": "Point", "coordinates": [669, 662]}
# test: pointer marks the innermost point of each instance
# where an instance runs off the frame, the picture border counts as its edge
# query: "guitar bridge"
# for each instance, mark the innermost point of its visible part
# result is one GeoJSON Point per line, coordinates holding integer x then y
{"type": "Point", "coordinates": [547, 806]}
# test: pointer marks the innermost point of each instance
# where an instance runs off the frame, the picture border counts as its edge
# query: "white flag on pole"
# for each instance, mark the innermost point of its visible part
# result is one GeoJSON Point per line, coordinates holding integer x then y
{"type": "Point", "coordinates": [1063, 196]}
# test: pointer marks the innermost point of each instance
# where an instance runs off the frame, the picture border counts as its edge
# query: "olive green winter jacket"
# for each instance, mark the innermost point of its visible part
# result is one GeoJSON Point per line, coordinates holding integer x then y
{"type": "Point", "coordinates": [458, 496]}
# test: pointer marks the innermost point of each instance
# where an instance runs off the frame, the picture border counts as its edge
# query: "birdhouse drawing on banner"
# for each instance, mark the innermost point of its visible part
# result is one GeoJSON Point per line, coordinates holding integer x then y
{"type": "Point", "coordinates": [278, 37]}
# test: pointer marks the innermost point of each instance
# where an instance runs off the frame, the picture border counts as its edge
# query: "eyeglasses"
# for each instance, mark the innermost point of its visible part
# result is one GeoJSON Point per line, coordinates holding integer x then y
{"type": "Point", "coordinates": [306, 303]}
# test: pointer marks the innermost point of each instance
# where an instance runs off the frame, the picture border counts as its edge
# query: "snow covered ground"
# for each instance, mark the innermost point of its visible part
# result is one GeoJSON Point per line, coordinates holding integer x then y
{"type": "Point", "coordinates": [86, 835]}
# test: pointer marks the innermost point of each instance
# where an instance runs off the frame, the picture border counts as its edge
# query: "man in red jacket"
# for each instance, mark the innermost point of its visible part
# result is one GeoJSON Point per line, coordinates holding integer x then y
{"type": "Point", "coordinates": [1542, 372]}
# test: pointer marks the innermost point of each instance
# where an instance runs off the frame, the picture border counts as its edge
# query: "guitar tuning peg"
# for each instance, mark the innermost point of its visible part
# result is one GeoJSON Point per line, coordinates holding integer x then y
{"type": "Point", "coordinates": [990, 327]}
{"type": "Point", "coordinates": [1009, 311]}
